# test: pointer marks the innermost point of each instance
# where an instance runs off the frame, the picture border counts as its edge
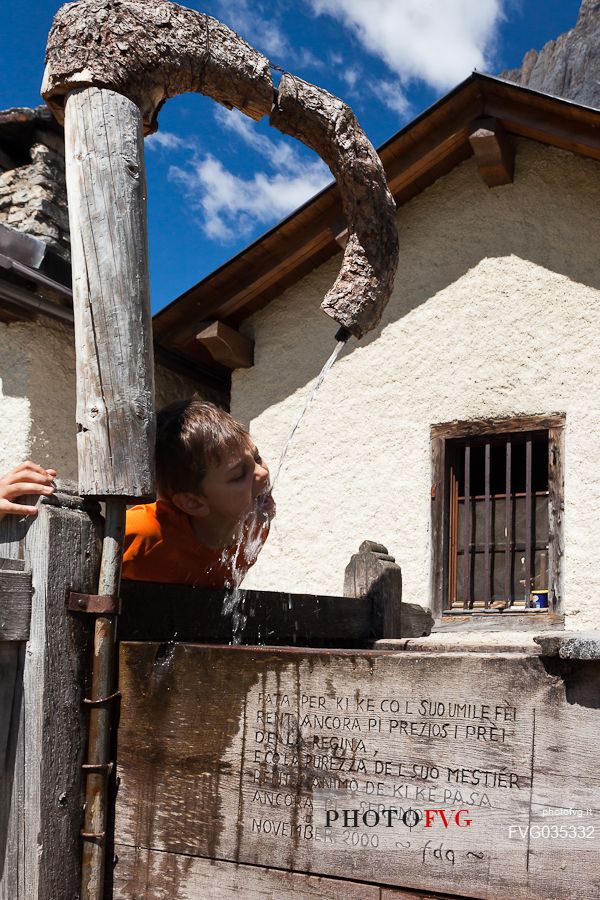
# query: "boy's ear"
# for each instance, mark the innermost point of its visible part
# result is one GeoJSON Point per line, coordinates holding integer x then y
{"type": "Point", "coordinates": [190, 504]}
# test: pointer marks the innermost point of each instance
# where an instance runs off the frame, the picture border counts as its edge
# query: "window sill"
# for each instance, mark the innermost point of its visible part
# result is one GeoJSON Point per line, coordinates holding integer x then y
{"type": "Point", "coordinates": [490, 620]}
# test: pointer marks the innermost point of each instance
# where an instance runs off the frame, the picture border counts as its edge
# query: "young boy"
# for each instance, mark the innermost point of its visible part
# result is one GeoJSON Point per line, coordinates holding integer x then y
{"type": "Point", "coordinates": [215, 505]}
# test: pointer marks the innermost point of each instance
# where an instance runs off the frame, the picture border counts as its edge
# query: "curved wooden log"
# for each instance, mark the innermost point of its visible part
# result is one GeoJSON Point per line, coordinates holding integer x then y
{"type": "Point", "coordinates": [327, 125]}
{"type": "Point", "coordinates": [152, 51]}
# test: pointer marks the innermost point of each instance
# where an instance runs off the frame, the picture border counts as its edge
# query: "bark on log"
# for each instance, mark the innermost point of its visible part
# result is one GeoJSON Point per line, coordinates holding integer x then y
{"type": "Point", "coordinates": [150, 52]}
{"type": "Point", "coordinates": [324, 123]}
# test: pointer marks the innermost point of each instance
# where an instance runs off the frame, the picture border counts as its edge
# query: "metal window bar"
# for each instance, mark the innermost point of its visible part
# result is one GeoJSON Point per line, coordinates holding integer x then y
{"type": "Point", "coordinates": [464, 542]}
{"type": "Point", "coordinates": [508, 536]}
{"type": "Point", "coordinates": [453, 539]}
{"type": "Point", "coordinates": [488, 530]}
{"type": "Point", "coordinates": [455, 576]}
{"type": "Point", "coordinates": [451, 547]}
{"type": "Point", "coordinates": [528, 519]}
{"type": "Point", "coordinates": [467, 587]}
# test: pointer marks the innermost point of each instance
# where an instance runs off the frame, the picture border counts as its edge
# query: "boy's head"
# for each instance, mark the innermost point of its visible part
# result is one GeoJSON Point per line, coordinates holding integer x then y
{"type": "Point", "coordinates": [190, 436]}
{"type": "Point", "coordinates": [206, 462]}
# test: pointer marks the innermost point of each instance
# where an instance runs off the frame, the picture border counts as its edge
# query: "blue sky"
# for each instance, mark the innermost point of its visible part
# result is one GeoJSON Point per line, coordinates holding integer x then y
{"type": "Point", "coordinates": [216, 179]}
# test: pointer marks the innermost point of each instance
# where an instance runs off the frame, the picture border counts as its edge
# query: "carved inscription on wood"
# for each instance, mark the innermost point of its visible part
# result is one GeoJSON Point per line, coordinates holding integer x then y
{"type": "Point", "coordinates": [467, 773]}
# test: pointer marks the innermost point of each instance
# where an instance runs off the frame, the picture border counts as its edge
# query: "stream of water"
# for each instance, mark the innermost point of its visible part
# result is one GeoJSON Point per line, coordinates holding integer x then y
{"type": "Point", "coordinates": [233, 604]}
{"type": "Point", "coordinates": [317, 386]}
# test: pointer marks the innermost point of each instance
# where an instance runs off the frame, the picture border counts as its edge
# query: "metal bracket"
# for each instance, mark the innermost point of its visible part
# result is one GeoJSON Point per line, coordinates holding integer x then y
{"type": "Point", "coordinates": [102, 700]}
{"type": "Point", "coordinates": [98, 768]}
{"type": "Point", "coordinates": [93, 835]}
{"type": "Point", "coordinates": [96, 604]}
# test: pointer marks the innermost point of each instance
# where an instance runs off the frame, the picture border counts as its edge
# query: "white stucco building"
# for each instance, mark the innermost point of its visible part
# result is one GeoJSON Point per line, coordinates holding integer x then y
{"type": "Point", "coordinates": [489, 341]}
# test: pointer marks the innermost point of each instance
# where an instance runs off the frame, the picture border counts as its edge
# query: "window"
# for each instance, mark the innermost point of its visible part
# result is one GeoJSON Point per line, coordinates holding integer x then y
{"type": "Point", "coordinates": [497, 515]}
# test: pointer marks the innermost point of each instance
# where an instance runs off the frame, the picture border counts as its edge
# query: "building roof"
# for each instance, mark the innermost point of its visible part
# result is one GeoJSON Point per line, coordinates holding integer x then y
{"type": "Point", "coordinates": [427, 148]}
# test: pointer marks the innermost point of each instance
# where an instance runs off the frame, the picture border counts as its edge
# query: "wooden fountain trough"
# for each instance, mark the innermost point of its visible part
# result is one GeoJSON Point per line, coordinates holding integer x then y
{"type": "Point", "coordinates": [302, 771]}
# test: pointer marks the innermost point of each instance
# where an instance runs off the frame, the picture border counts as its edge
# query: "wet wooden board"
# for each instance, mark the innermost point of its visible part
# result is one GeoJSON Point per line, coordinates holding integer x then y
{"type": "Point", "coordinates": [162, 876]}
{"type": "Point", "coordinates": [15, 605]}
{"type": "Point", "coordinates": [252, 755]}
{"type": "Point", "coordinates": [179, 612]}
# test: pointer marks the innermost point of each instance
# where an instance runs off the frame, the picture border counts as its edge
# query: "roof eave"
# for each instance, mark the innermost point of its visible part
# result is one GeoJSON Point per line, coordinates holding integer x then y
{"type": "Point", "coordinates": [422, 151]}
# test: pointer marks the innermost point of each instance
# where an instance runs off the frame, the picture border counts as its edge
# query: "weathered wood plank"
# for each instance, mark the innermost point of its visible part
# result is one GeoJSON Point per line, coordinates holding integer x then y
{"type": "Point", "coordinates": [12, 565]}
{"type": "Point", "coordinates": [169, 612]}
{"type": "Point", "coordinates": [40, 815]}
{"type": "Point", "coordinates": [8, 680]}
{"type": "Point", "coordinates": [239, 754]}
{"type": "Point", "coordinates": [15, 605]}
{"type": "Point", "coordinates": [555, 514]}
{"type": "Point", "coordinates": [171, 876]}
{"type": "Point", "coordinates": [106, 188]}
{"type": "Point", "coordinates": [62, 552]}
{"type": "Point", "coordinates": [478, 427]}
{"type": "Point", "coordinates": [505, 621]}
{"type": "Point", "coordinates": [12, 780]}
{"type": "Point", "coordinates": [439, 519]}
{"type": "Point", "coordinates": [12, 771]}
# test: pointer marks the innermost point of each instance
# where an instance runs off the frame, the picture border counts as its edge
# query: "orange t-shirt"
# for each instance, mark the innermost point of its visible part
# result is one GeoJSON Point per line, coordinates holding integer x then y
{"type": "Point", "coordinates": [161, 546]}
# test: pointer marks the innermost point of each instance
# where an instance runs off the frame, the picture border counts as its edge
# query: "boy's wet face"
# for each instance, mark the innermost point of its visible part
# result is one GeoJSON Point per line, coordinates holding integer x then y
{"type": "Point", "coordinates": [237, 485]}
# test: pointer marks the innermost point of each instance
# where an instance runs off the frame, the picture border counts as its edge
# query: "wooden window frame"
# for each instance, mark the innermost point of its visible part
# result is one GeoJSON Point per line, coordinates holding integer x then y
{"type": "Point", "coordinates": [440, 511]}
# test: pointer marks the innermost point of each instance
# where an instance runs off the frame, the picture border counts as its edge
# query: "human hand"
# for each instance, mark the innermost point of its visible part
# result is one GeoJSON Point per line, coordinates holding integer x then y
{"type": "Point", "coordinates": [27, 478]}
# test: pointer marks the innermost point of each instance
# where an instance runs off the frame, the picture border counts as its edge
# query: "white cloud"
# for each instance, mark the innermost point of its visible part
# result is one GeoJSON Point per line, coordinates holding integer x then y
{"type": "Point", "coordinates": [256, 25]}
{"type": "Point", "coordinates": [438, 41]}
{"type": "Point", "coordinates": [392, 95]}
{"type": "Point", "coordinates": [256, 22]}
{"type": "Point", "coordinates": [165, 140]}
{"type": "Point", "coordinates": [350, 75]}
{"type": "Point", "coordinates": [232, 205]}
{"type": "Point", "coordinates": [279, 153]}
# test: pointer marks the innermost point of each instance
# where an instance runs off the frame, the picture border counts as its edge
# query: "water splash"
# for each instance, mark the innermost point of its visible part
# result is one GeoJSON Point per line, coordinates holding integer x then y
{"type": "Point", "coordinates": [247, 547]}
{"type": "Point", "coordinates": [317, 386]}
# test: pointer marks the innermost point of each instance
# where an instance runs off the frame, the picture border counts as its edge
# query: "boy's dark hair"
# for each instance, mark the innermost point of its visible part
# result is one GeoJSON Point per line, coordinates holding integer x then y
{"type": "Point", "coordinates": [190, 434]}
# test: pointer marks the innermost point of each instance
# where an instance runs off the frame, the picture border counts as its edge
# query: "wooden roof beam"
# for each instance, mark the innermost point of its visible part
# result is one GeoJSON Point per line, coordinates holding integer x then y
{"type": "Point", "coordinates": [227, 346]}
{"type": "Point", "coordinates": [493, 151]}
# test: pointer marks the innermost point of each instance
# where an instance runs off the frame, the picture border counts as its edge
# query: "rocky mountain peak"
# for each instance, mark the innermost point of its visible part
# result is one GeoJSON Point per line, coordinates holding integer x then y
{"type": "Point", "coordinates": [568, 66]}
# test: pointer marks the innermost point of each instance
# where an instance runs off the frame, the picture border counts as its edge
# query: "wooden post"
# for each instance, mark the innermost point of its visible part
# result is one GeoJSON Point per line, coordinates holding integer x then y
{"type": "Point", "coordinates": [40, 784]}
{"type": "Point", "coordinates": [374, 574]}
{"type": "Point", "coordinates": [106, 187]}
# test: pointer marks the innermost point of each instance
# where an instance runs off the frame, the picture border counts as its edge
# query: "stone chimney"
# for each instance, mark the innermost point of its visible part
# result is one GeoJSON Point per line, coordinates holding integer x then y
{"type": "Point", "coordinates": [33, 197]}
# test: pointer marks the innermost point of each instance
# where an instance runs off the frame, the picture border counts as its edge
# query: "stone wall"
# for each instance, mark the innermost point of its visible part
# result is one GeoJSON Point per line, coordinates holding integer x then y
{"type": "Point", "coordinates": [33, 197]}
